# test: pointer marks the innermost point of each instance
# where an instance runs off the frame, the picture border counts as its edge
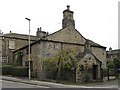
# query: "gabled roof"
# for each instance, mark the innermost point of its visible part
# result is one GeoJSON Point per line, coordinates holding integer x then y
{"type": "Point", "coordinates": [81, 55]}
{"type": "Point", "coordinates": [90, 41]}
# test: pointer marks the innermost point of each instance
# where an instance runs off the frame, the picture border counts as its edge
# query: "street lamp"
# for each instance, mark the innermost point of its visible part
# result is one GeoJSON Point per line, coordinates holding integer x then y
{"type": "Point", "coordinates": [29, 73]}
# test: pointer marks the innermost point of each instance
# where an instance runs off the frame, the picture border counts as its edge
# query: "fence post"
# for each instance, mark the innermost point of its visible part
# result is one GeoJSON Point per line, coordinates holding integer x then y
{"type": "Point", "coordinates": [108, 73]}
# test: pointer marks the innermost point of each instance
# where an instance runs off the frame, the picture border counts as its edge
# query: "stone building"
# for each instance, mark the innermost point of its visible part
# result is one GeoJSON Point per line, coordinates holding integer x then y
{"type": "Point", "coordinates": [112, 54]}
{"type": "Point", "coordinates": [66, 38]}
{"type": "Point", "coordinates": [13, 41]}
{"type": "Point", "coordinates": [90, 63]}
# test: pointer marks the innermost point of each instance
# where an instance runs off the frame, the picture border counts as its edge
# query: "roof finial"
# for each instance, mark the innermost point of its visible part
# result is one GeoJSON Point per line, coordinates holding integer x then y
{"type": "Point", "coordinates": [68, 7]}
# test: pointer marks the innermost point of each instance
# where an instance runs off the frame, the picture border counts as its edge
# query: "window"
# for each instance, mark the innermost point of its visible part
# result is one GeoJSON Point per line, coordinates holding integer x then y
{"type": "Point", "coordinates": [56, 46]}
{"type": "Point", "coordinates": [27, 50]}
{"type": "Point", "coordinates": [49, 54]}
{"type": "Point", "coordinates": [89, 58]}
{"type": "Point", "coordinates": [11, 44]}
{"type": "Point", "coordinates": [81, 68]}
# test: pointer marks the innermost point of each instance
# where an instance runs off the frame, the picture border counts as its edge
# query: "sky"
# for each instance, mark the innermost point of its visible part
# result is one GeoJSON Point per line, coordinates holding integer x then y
{"type": "Point", "coordinates": [96, 20]}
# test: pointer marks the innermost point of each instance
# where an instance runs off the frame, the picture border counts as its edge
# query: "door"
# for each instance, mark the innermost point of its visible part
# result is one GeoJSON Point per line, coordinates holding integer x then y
{"type": "Point", "coordinates": [95, 72]}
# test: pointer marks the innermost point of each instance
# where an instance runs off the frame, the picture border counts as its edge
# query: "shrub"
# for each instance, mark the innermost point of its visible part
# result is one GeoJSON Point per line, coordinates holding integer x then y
{"type": "Point", "coordinates": [5, 69]}
{"type": "Point", "coordinates": [20, 71]}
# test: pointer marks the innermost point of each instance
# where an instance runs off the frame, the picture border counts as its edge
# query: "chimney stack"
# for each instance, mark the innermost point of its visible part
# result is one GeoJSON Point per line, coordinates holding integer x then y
{"type": "Point", "coordinates": [40, 33]}
{"type": "Point", "coordinates": [110, 49]}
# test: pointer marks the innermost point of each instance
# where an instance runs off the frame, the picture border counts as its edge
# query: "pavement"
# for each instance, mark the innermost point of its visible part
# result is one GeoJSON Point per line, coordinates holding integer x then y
{"type": "Point", "coordinates": [48, 84]}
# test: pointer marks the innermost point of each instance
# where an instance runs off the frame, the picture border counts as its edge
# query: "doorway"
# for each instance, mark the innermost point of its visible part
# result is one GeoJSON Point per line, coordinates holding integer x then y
{"type": "Point", "coordinates": [95, 72]}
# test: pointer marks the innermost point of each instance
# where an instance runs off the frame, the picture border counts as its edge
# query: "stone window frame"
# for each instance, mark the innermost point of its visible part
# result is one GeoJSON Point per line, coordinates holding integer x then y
{"type": "Point", "coordinates": [56, 46]}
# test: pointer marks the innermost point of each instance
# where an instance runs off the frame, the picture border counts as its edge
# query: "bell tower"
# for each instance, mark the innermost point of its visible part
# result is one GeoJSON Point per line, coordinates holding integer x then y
{"type": "Point", "coordinates": [68, 21]}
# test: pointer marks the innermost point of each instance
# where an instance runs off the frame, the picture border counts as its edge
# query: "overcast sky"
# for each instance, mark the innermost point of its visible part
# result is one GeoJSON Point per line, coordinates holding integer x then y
{"type": "Point", "coordinates": [96, 20]}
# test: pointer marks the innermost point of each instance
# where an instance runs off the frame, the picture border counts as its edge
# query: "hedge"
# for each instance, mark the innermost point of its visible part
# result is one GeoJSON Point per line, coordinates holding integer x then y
{"type": "Point", "coordinates": [20, 71]}
{"type": "Point", "coordinates": [5, 70]}
{"type": "Point", "coordinates": [14, 70]}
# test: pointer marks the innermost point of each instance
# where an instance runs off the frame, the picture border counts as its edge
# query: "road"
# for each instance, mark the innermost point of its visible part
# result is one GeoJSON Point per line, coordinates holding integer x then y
{"type": "Point", "coordinates": [113, 83]}
{"type": "Point", "coordinates": [9, 84]}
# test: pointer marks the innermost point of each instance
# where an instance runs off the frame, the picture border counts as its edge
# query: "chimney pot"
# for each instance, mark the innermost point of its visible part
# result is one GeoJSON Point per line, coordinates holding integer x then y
{"type": "Point", "coordinates": [110, 49]}
{"type": "Point", "coordinates": [37, 29]}
{"type": "Point", "coordinates": [40, 28]}
{"type": "Point", "coordinates": [68, 7]}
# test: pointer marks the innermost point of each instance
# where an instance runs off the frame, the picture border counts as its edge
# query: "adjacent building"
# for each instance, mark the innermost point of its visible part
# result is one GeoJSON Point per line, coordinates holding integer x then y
{"type": "Point", "coordinates": [13, 41]}
{"type": "Point", "coordinates": [0, 47]}
{"type": "Point", "coordinates": [112, 54]}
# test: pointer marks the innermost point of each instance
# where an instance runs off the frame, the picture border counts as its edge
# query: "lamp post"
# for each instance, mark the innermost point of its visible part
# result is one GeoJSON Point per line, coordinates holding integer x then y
{"type": "Point", "coordinates": [29, 71]}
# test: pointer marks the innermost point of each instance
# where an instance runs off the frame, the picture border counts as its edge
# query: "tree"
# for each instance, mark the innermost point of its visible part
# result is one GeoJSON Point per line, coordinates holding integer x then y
{"type": "Point", "coordinates": [62, 65]}
{"type": "Point", "coordinates": [110, 64]}
{"type": "Point", "coordinates": [116, 63]}
{"type": "Point", "coordinates": [19, 58]}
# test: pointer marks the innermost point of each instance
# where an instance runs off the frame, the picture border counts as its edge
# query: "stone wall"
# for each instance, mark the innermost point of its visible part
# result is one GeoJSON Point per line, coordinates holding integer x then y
{"type": "Point", "coordinates": [87, 62]}
{"type": "Point", "coordinates": [36, 59]}
{"type": "Point", "coordinates": [49, 49]}
{"type": "Point", "coordinates": [44, 49]}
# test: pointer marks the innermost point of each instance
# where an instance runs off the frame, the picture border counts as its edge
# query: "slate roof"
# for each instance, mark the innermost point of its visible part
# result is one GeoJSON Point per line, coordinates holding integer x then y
{"type": "Point", "coordinates": [20, 36]}
{"type": "Point", "coordinates": [93, 43]}
{"type": "Point", "coordinates": [117, 51]}
{"type": "Point", "coordinates": [45, 40]}
{"type": "Point", "coordinates": [81, 55]}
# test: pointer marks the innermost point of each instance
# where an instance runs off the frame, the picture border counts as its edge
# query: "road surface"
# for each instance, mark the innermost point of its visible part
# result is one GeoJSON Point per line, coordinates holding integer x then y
{"type": "Point", "coordinates": [10, 84]}
{"type": "Point", "coordinates": [17, 85]}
